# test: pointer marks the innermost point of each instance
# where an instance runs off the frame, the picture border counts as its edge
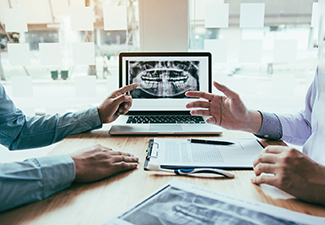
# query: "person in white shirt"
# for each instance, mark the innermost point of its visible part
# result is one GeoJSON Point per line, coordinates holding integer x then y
{"type": "Point", "coordinates": [301, 174]}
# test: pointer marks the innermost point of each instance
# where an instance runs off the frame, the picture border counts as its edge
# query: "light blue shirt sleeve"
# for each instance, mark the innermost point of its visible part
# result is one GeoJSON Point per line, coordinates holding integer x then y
{"type": "Point", "coordinates": [297, 127]}
{"type": "Point", "coordinates": [34, 179]}
{"type": "Point", "coordinates": [20, 132]}
{"type": "Point", "coordinates": [293, 128]}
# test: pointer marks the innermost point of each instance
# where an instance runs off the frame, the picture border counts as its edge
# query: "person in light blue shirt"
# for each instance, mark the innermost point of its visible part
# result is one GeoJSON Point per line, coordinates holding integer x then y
{"type": "Point", "coordinates": [301, 174]}
{"type": "Point", "coordinates": [35, 179]}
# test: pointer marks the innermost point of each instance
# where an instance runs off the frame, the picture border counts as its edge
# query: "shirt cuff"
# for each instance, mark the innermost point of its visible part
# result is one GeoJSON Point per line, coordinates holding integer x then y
{"type": "Point", "coordinates": [271, 127]}
{"type": "Point", "coordinates": [88, 120]}
{"type": "Point", "coordinates": [58, 173]}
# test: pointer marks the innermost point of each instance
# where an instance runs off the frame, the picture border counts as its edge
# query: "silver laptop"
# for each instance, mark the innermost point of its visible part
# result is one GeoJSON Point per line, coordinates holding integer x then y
{"type": "Point", "coordinates": [158, 106]}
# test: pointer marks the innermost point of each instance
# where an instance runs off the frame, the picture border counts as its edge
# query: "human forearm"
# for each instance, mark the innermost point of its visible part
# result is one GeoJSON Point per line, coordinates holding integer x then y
{"type": "Point", "coordinates": [313, 190]}
{"type": "Point", "coordinates": [34, 179]}
{"type": "Point", "coordinates": [42, 131]}
{"type": "Point", "coordinates": [252, 123]}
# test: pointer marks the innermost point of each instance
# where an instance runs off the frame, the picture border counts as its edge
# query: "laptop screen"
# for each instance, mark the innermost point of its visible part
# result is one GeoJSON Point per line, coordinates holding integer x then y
{"type": "Point", "coordinates": [164, 78]}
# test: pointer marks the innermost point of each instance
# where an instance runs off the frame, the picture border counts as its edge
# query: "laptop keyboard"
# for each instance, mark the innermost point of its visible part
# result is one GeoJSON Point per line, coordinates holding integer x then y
{"type": "Point", "coordinates": [165, 119]}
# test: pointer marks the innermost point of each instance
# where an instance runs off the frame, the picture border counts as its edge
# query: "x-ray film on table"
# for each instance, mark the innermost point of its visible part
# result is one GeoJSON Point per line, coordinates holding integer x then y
{"type": "Point", "coordinates": [183, 204]}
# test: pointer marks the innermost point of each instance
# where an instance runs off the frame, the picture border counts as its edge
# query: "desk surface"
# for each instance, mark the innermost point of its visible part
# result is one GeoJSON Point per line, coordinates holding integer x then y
{"type": "Point", "coordinates": [95, 203]}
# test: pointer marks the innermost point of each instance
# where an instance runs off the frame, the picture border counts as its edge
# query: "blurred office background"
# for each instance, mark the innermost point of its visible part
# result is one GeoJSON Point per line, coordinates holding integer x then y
{"type": "Point", "coordinates": [62, 55]}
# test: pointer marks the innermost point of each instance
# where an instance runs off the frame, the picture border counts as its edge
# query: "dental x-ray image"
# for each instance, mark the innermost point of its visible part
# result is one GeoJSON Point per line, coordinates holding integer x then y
{"type": "Point", "coordinates": [163, 79]}
{"type": "Point", "coordinates": [175, 206]}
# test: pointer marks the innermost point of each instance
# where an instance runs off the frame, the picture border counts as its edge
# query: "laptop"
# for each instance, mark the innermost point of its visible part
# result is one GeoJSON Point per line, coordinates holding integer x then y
{"type": "Point", "coordinates": [158, 106]}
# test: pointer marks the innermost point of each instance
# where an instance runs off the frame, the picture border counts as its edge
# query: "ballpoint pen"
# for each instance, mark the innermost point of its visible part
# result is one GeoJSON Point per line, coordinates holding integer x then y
{"type": "Point", "coordinates": [210, 142]}
{"type": "Point", "coordinates": [191, 171]}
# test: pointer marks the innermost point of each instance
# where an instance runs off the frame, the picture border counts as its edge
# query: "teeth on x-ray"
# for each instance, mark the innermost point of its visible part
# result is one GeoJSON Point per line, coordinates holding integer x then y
{"type": "Point", "coordinates": [179, 85]}
{"type": "Point", "coordinates": [164, 78]}
{"type": "Point", "coordinates": [181, 78]}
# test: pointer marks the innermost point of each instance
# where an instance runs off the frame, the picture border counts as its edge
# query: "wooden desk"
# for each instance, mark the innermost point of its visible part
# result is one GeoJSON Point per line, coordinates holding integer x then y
{"type": "Point", "coordinates": [95, 203]}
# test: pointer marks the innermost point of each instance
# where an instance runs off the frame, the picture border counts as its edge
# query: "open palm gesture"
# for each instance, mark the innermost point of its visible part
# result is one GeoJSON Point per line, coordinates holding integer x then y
{"type": "Point", "coordinates": [227, 111]}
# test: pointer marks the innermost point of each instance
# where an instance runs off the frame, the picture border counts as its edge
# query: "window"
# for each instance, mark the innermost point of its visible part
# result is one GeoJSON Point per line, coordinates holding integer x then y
{"type": "Point", "coordinates": [266, 51]}
{"type": "Point", "coordinates": [270, 59]}
{"type": "Point", "coordinates": [80, 69]}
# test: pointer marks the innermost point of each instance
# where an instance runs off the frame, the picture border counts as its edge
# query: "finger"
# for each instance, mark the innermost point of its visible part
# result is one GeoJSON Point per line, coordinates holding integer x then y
{"type": "Point", "coordinates": [120, 153]}
{"type": "Point", "coordinates": [211, 120]}
{"type": "Point", "coordinates": [122, 99]}
{"type": "Point", "coordinates": [123, 90]}
{"type": "Point", "coordinates": [264, 168]}
{"type": "Point", "coordinates": [274, 149]}
{"type": "Point", "coordinates": [265, 158]}
{"type": "Point", "coordinates": [224, 89]}
{"type": "Point", "coordinates": [122, 166]}
{"type": "Point", "coordinates": [122, 158]}
{"type": "Point", "coordinates": [199, 94]}
{"type": "Point", "coordinates": [200, 112]}
{"type": "Point", "coordinates": [124, 108]}
{"type": "Point", "coordinates": [127, 105]}
{"type": "Point", "coordinates": [264, 179]}
{"type": "Point", "coordinates": [198, 104]}
{"type": "Point", "coordinates": [122, 111]}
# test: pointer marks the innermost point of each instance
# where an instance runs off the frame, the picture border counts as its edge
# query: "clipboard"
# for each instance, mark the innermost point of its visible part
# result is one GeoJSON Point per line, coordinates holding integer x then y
{"type": "Point", "coordinates": [247, 150]}
{"type": "Point", "coordinates": [146, 162]}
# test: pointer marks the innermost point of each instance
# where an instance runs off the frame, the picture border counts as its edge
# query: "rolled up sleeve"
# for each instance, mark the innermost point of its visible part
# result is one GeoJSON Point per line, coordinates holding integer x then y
{"type": "Point", "coordinates": [271, 127]}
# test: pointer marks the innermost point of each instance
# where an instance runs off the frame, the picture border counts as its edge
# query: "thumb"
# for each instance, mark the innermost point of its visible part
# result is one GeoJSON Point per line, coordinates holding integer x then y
{"type": "Point", "coordinates": [211, 120]}
{"type": "Point", "coordinates": [123, 98]}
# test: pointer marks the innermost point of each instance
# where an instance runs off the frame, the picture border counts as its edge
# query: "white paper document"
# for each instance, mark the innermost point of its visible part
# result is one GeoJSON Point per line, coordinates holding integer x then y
{"type": "Point", "coordinates": [15, 20]}
{"type": "Point", "coordinates": [218, 49]}
{"type": "Point", "coordinates": [216, 15]}
{"type": "Point", "coordinates": [115, 17]}
{"type": "Point", "coordinates": [22, 86]}
{"type": "Point", "coordinates": [181, 153]}
{"type": "Point", "coordinates": [315, 15]}
{"type": "Point", "coordinates": [252, 15]}
{"type": "Point", "coordinates": [182, 203]}
{"type": "Point", "coordinates": [250, 51]}
{"type": "Point", "coordinates": [85, 86]}
{"type": "Point", "coordinates": [83, 53]}
{"type": "Point", "coordinates": [50, 54]}
{"type": "Point", "coordinates": [285, 51]}
{"type": "Point", "coordinates": [19, 54]}
{"type": "Point", "coordinates": [82, 18]}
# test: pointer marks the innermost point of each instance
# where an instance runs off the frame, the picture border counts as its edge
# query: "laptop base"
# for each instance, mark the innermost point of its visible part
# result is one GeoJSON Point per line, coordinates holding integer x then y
{"type": "Point", "coordinates": [165, 129]}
